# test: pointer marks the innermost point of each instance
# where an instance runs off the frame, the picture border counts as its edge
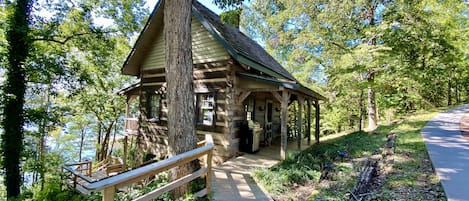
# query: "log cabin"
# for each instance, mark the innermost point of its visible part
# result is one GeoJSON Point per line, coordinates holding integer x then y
{"type": "Point", "coordinates": [237, 85]}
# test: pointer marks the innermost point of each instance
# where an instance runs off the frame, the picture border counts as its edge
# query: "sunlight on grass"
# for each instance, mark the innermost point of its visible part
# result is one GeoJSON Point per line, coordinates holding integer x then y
{"type": "Point", "coordinates": [330, 176]}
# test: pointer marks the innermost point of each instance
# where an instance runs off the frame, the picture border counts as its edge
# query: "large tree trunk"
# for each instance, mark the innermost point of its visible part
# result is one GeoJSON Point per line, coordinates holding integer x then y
{"type": "Point", "coordinates": [105, 143]}
{"type": "Point", "coordinates": [14, 89]}
{"type": "Point", "coordinates": [372, 117]}
{"type": "Point", "coordinates": [82, 142]}
{"type": "Point", "coordinates": [179, 78]}
{"type": "Point", "coordinates": [372, 113]}
{"type": "Point", "coordinates": [97, 155]}
{"type": "Point", "coordinates": [360, 106]}
{"type": "Point", "coordinates": [449, 90]}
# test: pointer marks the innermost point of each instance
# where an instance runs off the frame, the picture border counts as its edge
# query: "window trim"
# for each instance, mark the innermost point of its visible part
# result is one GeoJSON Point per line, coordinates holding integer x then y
{"type": "Point", "coordinates": [149, 107]}
{"type": "Point", "coordinates": [198, 109]}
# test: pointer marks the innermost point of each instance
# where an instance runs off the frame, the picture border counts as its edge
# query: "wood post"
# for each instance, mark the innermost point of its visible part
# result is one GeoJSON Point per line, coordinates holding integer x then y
{"type": "Point", "coordinates": [127, 113]}
{"type": "Point", "coordinates": [308, 126]}
{"type": "Point", "coordinates": [243, 96]}
{"type": "Point", "coordinates": [90, 169]}
{"type": "Point", "coordinates": [208, 178]}
{"type": "Point", "coordinates": [316, 131]}
{"type": "Point", "coordinates": [108, 193]}
{"type": "Point", "coordinates": [284, 120]}
{"type": "Point", "coordinates": [124, 160]}
{"type": "Point", "coordinates": [300, 121]}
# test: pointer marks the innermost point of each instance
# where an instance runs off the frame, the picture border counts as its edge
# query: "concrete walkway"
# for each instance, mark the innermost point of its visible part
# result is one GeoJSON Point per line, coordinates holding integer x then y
{"type": "Point", "coordinates": [232, 180]}
{"type": "Point", "coordinates": [449, 152]}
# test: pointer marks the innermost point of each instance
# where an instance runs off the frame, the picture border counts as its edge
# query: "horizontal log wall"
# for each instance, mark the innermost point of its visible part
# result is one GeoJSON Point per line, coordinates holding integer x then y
{"type": "Point", "coordinates": [208, 78]}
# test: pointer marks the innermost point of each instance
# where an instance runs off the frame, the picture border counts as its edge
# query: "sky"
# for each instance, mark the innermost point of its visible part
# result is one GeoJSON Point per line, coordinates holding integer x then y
{"type": "Point", "coordinates": [151, 5]}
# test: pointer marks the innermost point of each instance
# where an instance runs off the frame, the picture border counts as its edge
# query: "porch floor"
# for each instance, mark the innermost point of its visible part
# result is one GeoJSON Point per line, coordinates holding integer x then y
{"type": "Point", "coordinates": [232, 180]}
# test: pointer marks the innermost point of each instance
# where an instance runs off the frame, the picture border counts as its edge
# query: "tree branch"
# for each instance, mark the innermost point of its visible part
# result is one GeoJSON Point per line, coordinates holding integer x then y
{"type": "Point", "coordinates": [56, 39]}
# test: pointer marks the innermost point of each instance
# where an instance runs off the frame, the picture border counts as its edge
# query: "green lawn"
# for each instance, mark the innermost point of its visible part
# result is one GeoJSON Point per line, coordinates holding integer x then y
{"type": "Point", "coordinates": [406, 175]}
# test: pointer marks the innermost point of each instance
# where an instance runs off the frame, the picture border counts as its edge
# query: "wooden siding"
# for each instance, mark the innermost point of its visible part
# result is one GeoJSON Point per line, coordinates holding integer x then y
{"type": "Point", "coordinates": [153, 134]}
{"type": "Point", "coordinates": [205, 48]}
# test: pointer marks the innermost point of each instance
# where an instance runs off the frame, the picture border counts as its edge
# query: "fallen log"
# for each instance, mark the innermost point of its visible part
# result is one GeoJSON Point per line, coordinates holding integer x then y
{"type": "Point", "coordinates": [365, 179]}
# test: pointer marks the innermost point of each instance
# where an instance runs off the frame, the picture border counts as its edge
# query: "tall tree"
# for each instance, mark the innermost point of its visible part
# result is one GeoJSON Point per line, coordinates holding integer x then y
{"type": "Point", "coordinates": [12, 139]}
{"type": "Point", "coordinates": [179, 77]}
{"type": "Point", "coordinates": [335, 37]}
{"type": "Point", "coordinates": [67, 49]}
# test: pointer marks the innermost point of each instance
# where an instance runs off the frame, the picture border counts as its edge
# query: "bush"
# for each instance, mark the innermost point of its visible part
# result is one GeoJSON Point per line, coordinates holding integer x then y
{"type": "Point", "coordinates": [53, 191]}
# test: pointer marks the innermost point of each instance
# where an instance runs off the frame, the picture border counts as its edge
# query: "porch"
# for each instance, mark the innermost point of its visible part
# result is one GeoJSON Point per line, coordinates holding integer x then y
{"type": "Point", "coordinates": [232, 180]}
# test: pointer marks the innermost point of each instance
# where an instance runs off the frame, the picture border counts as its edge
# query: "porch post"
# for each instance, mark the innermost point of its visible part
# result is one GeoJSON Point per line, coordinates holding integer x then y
{"type": "Point", "coordinates": [316, 104]}
{"type": "Point", "coordinates": [300, 121]}
{"type": "Point", "coordinates": [127, 106]}
{"type": "Point", "coordinates": [283, 124]}
{"type": "Point", "coordinates": [124, 160]}
{"type": "Point", "coordinates": [127, 112]}
{"type": "Point", "coordinates": [308, 126]}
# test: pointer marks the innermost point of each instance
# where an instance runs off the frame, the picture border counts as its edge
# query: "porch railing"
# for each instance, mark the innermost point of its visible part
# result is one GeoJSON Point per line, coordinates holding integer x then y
{"type": "Point", "coordinates": [131, 125]}
{"type": "Point", "coordinates": [110, 184]}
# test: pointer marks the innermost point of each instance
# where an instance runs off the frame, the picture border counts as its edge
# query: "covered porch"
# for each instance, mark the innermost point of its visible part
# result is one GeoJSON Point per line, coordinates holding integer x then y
{"type": "Point", "coordinates": [268, 101]}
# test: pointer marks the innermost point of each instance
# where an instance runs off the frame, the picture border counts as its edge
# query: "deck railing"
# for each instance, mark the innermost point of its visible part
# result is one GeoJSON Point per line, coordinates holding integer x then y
{"type": "Point", "coordinates": [131, 125]}
{"type": "Point", "coordinates": [110, 184]}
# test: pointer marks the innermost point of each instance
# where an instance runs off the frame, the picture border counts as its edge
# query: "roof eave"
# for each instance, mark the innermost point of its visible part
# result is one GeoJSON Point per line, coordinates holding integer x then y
{"type": "Point", "coordinates": [309, 92]}
{"type": "Point", "coordinates": [125, 90]}
{"type": "Point", "coordinates": [288, 85]}
{"type": "Point", "coordinates": [235, 54]}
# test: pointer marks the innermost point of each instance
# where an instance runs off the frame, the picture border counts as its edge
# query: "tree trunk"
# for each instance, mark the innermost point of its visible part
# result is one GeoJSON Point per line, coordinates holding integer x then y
{"type": "Point", "coordinates": [105, 143]}
{"type": "Point", "coordinates": [372, 117]}
{"type": "Point", "coordinates": [113, 140]}
{"type": "Point", "coordinates": [372, 114]}
{"type": "Point", "coordinates": [82, 142]}
{"type": "Point", "coordinates": [179, 78]}
{"type": "Point", "coordinates": [360, 115]}
{"type": "Point", "coordinates": [98, 142]}
{"type": "Point", "coordinates": [14, 90]}
{"type": "Point", "coordinates": [456, 92]}
{"type": "Point", "coordinates": [42, 138]}
{"type": "Point", "coordinates": [449, 91]}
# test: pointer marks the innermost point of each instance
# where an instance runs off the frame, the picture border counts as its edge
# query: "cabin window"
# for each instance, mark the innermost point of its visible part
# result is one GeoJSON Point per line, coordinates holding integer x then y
{"type": "Point", "coordinates": [206, 109]}
{"type": "Point", "coordinates": [153, 106]}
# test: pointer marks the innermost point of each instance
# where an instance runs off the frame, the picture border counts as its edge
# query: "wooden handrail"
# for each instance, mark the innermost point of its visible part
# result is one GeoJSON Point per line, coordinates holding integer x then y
{"type": "Point", "coordinates": [81, 176]}
{"type": "Point", "coordinates": [110, 184]}
{"type": "Point", "coordinates": [79, 163]}
{"type": "Point", "coordinates": [150, 169]}
{"type": "Point", "coordinates": [88, 169]}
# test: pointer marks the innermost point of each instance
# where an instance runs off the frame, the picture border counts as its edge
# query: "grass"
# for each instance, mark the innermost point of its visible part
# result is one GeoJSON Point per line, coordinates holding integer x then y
{"type": "Point", "coordinates": [408, 176]}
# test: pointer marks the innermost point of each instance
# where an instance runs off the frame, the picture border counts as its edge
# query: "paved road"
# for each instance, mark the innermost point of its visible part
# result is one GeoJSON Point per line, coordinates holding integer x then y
{"type": "Point", "coordinates": [449, 152]}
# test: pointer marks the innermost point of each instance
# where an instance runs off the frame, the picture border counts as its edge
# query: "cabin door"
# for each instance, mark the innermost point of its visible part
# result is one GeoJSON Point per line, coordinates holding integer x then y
{"type": "Point", "coordinates": [268, 122]}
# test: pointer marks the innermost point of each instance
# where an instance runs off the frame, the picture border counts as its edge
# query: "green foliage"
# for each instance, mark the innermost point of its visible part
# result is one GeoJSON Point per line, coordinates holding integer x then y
{"type": "Point", "coordinates": [18, 39]}
{"type": "Point", "coordinates": [231, 17]}
{"type": "Point", "coordinates": [226, 4]}
{"type": "Point", "coordinates": [71, 74]}
{"type": "Point", "coordinates": [54, 190]}
{"type": "Point", "coordinates": [407, 51]}
{"type": "Point", "coordinates": [305, 167]}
